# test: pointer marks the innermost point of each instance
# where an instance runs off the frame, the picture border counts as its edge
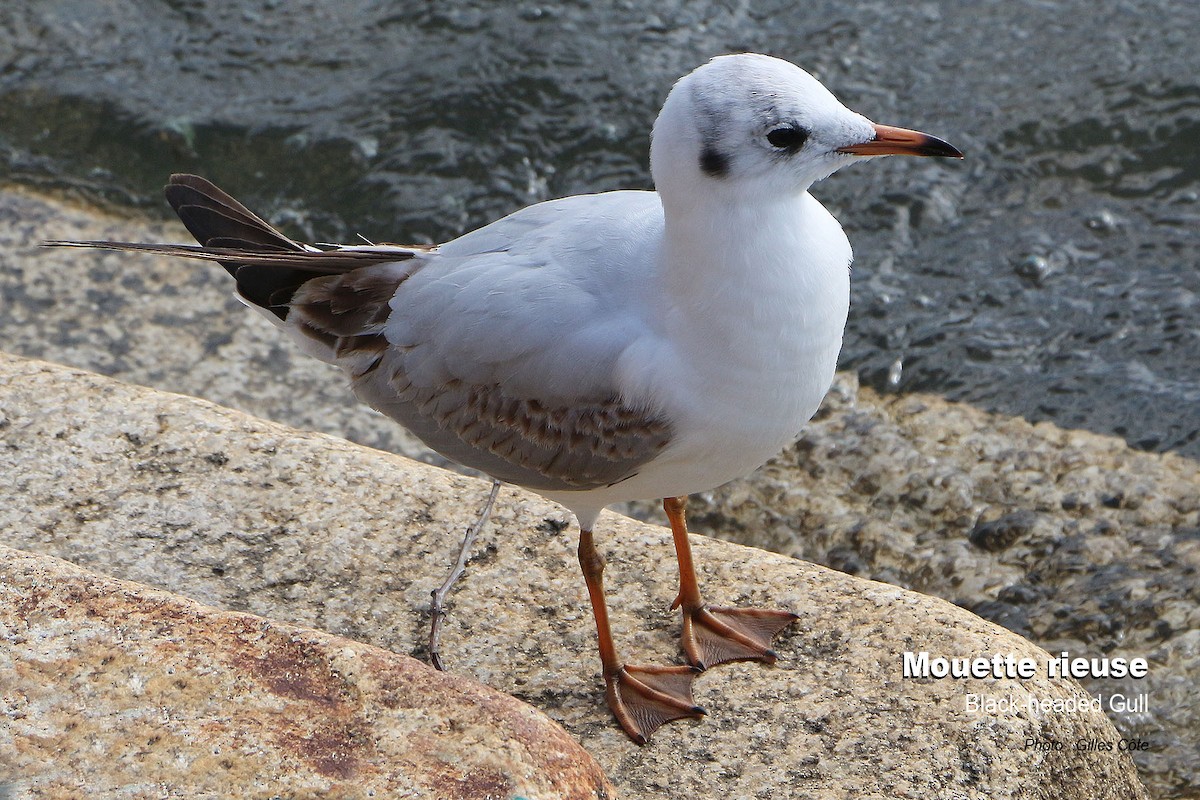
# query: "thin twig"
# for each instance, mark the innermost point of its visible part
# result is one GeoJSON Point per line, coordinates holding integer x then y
{"type": "Point", "coordinates": [437, 608]}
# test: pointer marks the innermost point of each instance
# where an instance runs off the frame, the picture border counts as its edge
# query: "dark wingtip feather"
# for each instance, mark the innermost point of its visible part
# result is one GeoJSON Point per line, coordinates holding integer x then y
{"type": "Point", "coordinates": [269, 267]}
{"type": "Point", "coordinates": [209, 213]}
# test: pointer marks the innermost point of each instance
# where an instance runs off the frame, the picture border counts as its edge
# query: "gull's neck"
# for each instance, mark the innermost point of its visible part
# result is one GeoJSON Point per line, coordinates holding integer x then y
{"type": "Point", "coordinates": [758, 295]}
{"type": "Point", "coordinates": [760, 253]}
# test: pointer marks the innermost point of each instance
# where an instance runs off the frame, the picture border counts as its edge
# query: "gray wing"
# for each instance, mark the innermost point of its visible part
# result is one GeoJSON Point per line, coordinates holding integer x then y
{"type": "Point", "coordinates": [448, 347]}
{"type": "Point", "coordinates": [443, 340]}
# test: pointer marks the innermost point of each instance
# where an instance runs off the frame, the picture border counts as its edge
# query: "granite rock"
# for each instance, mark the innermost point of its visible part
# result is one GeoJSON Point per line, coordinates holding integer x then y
{"type": "Point", "coordinates": [1069, 538]}
{"type": "Point", "coordinates": [304, 528]}
{"type": "Point", "coordinates": [111, 689]}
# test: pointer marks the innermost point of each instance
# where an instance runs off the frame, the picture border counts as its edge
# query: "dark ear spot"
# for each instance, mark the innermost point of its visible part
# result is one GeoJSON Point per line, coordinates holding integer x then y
{"type": "Point", "coordinates": [714, 163]}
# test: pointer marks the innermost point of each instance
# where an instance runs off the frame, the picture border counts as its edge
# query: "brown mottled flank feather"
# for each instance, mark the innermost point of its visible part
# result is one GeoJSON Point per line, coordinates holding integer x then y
{"type": "Point", "coordinates": [585, 445]}
{"type": "Point", "coordinates": [339, 300]}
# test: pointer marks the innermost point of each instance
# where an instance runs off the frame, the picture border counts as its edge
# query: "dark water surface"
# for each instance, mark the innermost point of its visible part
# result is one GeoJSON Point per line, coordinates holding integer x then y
{"type": "Point", "coordinates": [1052, 275]}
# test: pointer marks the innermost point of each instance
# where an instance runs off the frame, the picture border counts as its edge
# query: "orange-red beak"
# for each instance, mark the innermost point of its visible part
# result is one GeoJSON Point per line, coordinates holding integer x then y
{"type": "Point", "coordinates": [891, 141]}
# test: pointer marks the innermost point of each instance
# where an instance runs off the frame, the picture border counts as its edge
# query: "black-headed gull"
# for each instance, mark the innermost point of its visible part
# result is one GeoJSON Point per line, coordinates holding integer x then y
{"type": "Point", "coordinates": [604, 347]}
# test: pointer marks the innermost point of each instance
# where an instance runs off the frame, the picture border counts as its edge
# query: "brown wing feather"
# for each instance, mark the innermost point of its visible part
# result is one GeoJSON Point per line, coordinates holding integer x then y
{"type": "Point", "coordinates": [346, 313]}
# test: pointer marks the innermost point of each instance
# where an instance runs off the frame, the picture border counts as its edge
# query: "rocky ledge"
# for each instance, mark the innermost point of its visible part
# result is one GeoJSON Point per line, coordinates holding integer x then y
{"type": "Point", "coordinates": [310, 530]}
{"type": "Point", "coordinates": [1072, 539]}
{"type": "Point", "coordinates": [112, 689]}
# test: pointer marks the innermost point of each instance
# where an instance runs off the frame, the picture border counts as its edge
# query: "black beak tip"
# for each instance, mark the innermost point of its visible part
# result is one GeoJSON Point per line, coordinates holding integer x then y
{"type": "Point", "coordinates": [939, 148]}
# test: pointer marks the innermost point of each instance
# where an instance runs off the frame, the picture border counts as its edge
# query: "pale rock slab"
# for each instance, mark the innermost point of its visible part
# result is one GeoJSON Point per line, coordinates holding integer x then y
{"type": "Point", "coordinates": [111, 689]}
{"type": "Point", "coordinates": [252, 516]}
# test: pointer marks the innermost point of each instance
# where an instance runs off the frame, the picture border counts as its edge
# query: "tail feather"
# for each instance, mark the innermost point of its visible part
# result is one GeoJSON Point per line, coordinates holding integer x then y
{"type": "Point", "coordinates": [269, 266]}
{"type": "Point", "coordinates": [210, 225]}
{"type": "Point", "coordinates": [233, 243]}
{"type": "Point", "coordinates": [209, 213]}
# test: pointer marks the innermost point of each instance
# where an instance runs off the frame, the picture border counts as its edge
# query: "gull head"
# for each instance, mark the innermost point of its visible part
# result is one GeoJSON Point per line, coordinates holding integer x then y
{"type": "Point", "coordinates": [759, 125]}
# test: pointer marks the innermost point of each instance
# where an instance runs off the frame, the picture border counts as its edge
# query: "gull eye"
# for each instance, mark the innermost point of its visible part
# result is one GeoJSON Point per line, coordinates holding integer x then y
{"type": "Point", "coordinates": [788, 137]}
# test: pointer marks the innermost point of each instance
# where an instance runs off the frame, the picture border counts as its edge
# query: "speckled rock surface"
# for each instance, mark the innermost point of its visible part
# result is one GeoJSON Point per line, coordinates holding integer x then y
{"type": "Point", "coordinates": [252, 516]}
{"type": "Point", "coordinates": [1069, 538]}
{"type": "Point", "coordinates": [111, 689]}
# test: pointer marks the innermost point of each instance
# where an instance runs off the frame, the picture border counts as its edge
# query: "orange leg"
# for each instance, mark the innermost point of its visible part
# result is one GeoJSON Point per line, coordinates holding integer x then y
{"type": "Point", "coordinates": [713, 635]}
{"type": "Point", "coordinates": [641, 698]}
